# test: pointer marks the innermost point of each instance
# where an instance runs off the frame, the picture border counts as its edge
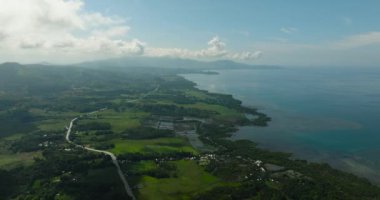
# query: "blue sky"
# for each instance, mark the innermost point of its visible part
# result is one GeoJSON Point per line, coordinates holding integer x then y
{"type": "Point", "coordinates": [294, 32]}
{"type": "Point", "coordinates": [242, 24]}
{"type": "Point", "coordinates": [168, 22]}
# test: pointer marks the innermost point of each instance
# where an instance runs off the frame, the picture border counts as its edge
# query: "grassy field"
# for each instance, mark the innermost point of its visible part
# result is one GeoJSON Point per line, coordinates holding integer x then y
{"type": "Point", "coordinates": [197, 94]}
{"type": "Point", "coordinates": [160, 145]}
{"type": "Point", "coordinates": [43, 113]}
{"type": "Point", "coordinates": [224, 112]}
{"type": "Point", "coordinates": [191, 179]}
{"type": "Point", "coordinates": [120, 121]}
{"type": "Point", "coordinates": [55, 120]}
{"type": "Point", "coordinates": [8, 161]}
{"type": "Point", "coordinates": [53, 124]}
{"type": "Point", "coordinates": [143, 166]}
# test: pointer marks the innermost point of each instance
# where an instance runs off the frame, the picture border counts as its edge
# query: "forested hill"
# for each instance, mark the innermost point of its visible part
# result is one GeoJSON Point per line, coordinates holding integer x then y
{"type": "Point", "coordinates": [172, 63]}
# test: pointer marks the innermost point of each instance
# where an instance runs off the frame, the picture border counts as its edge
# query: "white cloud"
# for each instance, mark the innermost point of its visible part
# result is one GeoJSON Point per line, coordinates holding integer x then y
{"type": "Point", "coordinates": [289, 30]}
{"type": "Point", "coordinates": [2, 36]}
{"type": "Point", "coordinates": [246, 55]}
{"type": "Point", "coordinates": [364, 39]}
{"type": "Point", "coordinates": [61, 28]}
{"type": "Point", "coordinates": [96, 19]}
{"type": "Point", "coordinates": [216, 49]}
{"type": "Point", "coordinates": [62, 31]}
{"type": "Point", "coordinates": [30, 44]}
{"type": "Point", "coordinates": [116, 31]}
{"type": "Point", "coordinates": [135, 47]}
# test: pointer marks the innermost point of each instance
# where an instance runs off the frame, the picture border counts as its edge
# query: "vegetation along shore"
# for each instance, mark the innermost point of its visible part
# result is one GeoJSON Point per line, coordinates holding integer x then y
{"type": "Point", "coordinates": [171, 141]}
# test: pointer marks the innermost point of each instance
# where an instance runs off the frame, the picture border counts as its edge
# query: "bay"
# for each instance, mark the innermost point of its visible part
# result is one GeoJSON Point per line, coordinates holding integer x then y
{"type": "Point", "coordinates": [319, 114]}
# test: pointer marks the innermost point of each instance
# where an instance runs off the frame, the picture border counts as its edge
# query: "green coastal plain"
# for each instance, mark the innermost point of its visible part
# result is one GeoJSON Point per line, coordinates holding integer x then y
{"type": "Point", "coordinates": [171, 140]}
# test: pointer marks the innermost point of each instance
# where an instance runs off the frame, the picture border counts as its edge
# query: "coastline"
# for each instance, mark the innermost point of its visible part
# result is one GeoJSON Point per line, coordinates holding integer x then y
{"type": "Point", "coordinates": [347, 165]}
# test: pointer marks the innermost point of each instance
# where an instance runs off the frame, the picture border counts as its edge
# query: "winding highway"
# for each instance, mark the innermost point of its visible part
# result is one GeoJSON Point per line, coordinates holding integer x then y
{"type": "Point", "coordinates": [113, 157]}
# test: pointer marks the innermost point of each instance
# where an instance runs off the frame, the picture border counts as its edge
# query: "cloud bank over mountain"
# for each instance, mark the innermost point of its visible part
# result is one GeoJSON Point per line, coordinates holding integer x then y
{"type": "Point", "coordinates": [70, 31]}
{"type": "Point", "coordinates": [63, 31]}
{"type": "Point", "coordinates": [57, 28]}
{"type": "Point", "coordinates": [215, 49]}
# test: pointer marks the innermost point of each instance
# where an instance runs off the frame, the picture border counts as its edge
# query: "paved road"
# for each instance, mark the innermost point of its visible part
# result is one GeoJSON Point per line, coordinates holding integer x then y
{"type": "Point", "coordinates": [113, 157]}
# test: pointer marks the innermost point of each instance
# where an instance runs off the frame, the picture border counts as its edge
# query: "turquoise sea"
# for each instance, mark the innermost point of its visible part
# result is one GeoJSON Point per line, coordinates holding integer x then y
{"type": "Point", "coordinates": [320, 114]}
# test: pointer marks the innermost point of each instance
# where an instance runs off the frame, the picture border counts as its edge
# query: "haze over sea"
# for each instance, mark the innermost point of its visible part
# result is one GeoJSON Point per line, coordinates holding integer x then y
{"type": "Point", "coordinates": [320, 114]}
